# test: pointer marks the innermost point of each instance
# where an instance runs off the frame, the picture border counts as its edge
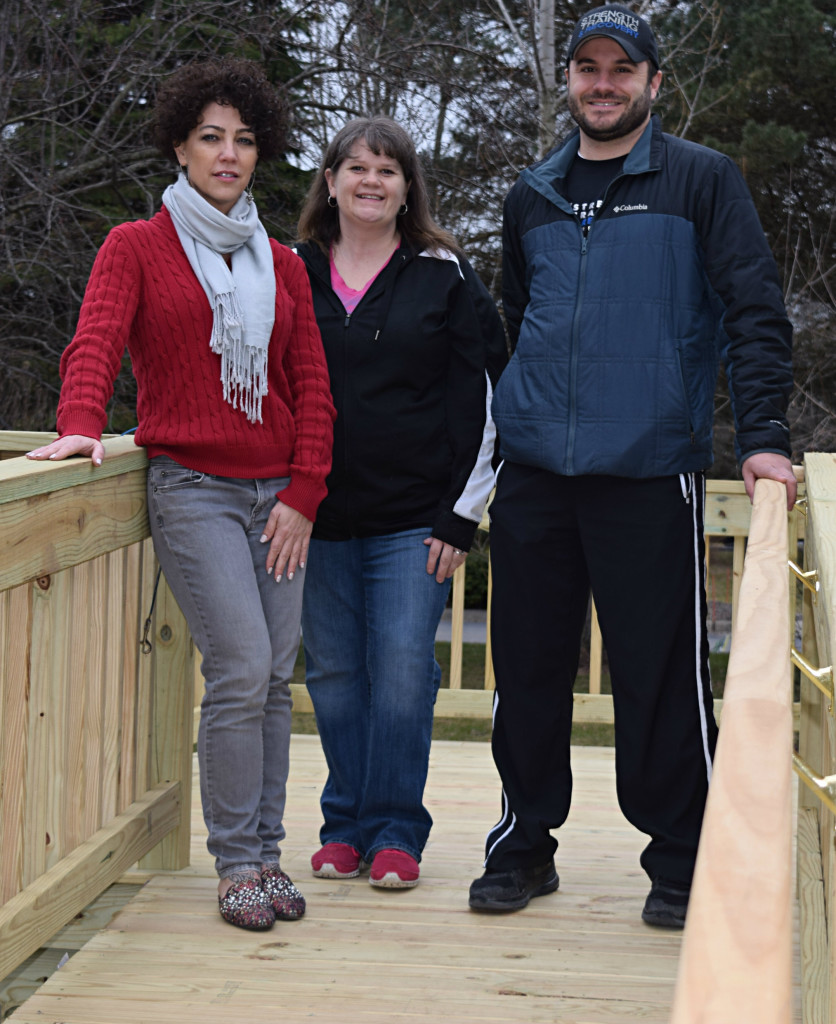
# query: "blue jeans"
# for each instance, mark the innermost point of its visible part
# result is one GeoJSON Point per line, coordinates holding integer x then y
{"type": "Point", "coordinates": [206, 532]}
{"type": "Point", "coordinates": [368, 624]}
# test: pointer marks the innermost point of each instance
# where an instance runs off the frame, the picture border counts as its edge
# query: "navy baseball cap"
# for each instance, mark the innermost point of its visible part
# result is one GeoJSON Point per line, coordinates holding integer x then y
{"type": "Point", "coordinates": [632, 33]}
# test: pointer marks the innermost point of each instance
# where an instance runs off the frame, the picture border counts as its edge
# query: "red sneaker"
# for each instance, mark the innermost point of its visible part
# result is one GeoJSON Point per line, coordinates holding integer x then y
{"type": "Point", "coordinates": [336, 860]}
{"type": "Point", "coordinates": [394, 869]}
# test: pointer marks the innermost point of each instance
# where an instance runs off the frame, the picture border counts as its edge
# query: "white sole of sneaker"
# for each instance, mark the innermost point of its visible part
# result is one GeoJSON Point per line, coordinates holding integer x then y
{"type": "Point", "coordinates": [392, 880]}
{"type": "Point", "coordinates": [329, 871]}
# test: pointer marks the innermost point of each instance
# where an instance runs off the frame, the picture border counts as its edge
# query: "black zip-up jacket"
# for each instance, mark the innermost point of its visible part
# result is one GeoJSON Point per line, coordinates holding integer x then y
{"type": "Point", "coordinates": [413, 439]}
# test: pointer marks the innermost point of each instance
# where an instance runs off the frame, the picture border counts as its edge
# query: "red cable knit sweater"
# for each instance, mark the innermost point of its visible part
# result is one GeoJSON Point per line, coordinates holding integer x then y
{"type": "Point", "coordinates": [143, 294]}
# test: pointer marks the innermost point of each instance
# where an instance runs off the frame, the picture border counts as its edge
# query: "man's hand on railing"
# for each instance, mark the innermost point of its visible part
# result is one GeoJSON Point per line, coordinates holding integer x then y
{"type": "Point", "coordinates": [771, 466]}
{"type": "Point", "coordinates": [70, 444]}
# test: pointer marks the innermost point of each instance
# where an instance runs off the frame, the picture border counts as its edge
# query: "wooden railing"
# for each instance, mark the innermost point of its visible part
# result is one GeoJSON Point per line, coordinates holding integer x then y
{"type": "Point", "coordinates": [736, 959]}
{"type": "Point", "coordinates": [95, 736]}
{"type": "Point", "coordinates": [815, 762]}
{"type": "Point", "coordinates": [727, 518]}
{"type": "Point", "coordinates": [735, 963]}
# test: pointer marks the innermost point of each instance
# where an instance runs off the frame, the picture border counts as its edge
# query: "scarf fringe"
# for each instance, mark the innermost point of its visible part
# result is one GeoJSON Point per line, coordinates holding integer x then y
{"type": "Point", "coordinates": [243, 367]}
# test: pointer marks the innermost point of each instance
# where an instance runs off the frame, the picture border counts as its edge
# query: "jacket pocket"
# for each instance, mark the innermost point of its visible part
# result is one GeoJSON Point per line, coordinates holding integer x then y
{"type": "Point", "coordinates": [689, 416]}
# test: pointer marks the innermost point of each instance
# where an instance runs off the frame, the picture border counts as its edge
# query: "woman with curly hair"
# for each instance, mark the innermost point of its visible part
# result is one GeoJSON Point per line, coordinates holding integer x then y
{"type": "Point", "coordinates": [235, 413]}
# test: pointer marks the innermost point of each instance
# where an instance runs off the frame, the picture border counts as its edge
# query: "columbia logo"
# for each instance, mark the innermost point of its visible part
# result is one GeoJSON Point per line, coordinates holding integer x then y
{"type": "Point", "coordinates": [628, 209]}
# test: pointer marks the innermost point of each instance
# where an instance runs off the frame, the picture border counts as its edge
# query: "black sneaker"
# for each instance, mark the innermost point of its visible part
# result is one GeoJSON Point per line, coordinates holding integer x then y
{"type": "Point", "coordinates": [511, 890]}
{"type": "Point", "coordinates": [666, 904]}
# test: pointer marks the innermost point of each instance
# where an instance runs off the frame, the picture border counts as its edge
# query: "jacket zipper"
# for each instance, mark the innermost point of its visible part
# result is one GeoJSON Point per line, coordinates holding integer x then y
{"type": "Point", "coordinates": [568, 466]}
{"type": "Point", "coordinates": [574, 357]}
{"type": "Point", "coordinates": [326, 281]}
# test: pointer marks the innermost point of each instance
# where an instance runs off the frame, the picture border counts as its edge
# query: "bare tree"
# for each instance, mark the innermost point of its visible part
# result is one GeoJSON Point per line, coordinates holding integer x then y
{"type": "Point", "coordinates": [478, 83]}
{"type": "Point", "coordinates": [539, 48]}
{"type": "Point", "coordinates": [76, 82]}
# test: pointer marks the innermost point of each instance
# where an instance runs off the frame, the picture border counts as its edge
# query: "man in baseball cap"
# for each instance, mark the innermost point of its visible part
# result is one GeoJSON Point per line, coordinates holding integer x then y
{"type": "Point", "coordinates": [631, 32]}
{"type": "Point", "coordinates": [629, 257]}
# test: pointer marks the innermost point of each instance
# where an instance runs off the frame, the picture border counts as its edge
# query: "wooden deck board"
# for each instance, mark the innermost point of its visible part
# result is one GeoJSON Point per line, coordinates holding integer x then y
{"type": "Point", "coordinates": [364, 954]}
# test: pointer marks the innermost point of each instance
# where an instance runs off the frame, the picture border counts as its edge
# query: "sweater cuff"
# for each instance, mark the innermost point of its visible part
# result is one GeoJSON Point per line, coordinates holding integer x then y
{"type": "Point", "coordinates": [455, 530]}
{"type": "Point", "coordinates": [303, 494]}
{"type": "Point", "coordinates": [87, 424]}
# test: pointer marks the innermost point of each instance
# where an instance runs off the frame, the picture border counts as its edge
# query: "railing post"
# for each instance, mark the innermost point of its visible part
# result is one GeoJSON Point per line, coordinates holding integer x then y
{"type": "Point", "coordinates": [596, 651]}
{"type": "Point", "coordinates": [457, 629]}
{"type": "Point", "coordinates": [173, 670]}
{"type": "Point", "coordinates": [817, 750]}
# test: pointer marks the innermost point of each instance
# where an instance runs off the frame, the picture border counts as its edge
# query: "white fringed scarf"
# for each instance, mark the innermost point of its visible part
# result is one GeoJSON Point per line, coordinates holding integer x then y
{"type": "Point", "coordinates": [243, 299]}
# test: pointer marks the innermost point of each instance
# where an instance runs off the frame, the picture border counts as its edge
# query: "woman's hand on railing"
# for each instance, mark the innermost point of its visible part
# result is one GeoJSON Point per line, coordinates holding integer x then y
{"type": "Point", "coordinates": [443, 559]}
{"type": "Point", "coordinates": [289, 533]}
{"type": "Point", "coordinates": [70, 444]}
{"type": "Point", "coordinates": [771, 466]}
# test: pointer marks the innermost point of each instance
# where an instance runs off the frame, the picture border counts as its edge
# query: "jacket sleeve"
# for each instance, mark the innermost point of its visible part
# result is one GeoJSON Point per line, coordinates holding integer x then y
{"type": "Point", "coordinates": [469, 426]}
{"type": "Point", "coordinates": [307, 376]}
{"type": "Point", "coordinates": [490, 322]}
{"type": "Point", "coordinates": [757, 343]}
{"type": "Point", "coordinates": [514, 284]}
{"type": "Point", "coordinates": [92, 359]}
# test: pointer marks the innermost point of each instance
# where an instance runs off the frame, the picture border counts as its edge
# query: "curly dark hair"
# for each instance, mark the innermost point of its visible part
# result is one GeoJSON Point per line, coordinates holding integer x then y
{"type": "Point", "coordinates": [319, 222]}
{"type": "Point", "coordinates": [230, 81]}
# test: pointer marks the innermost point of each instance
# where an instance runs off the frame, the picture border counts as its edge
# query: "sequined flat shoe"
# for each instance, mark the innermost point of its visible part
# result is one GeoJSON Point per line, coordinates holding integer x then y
{"type": "Point", "coordinates": [287, 902]}
{"type": "Point", "coordinates": [246, 905]}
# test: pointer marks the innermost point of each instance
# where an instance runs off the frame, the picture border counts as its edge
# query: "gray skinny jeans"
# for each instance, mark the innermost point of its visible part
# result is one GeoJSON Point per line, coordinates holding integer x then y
{"type": "Point", "coordinates": [206, 532]}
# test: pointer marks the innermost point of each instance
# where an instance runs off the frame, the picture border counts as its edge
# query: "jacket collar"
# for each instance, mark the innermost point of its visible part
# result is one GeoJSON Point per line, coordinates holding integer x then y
{"type": "Point", "coordinates": [644, 157]}
{"type": "Point", "coordinates": [317, 261]}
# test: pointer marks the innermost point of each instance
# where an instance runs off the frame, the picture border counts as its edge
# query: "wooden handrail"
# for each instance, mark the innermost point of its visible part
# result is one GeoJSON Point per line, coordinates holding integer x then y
{"type": "Point", "coordinates": [727, 518]}
{"type": "Point", "coordinates": [95, 740]}
{"type": "Point", "coordinates": [736, 958]}
{"type": "Point", "coordinates": [816, 760]}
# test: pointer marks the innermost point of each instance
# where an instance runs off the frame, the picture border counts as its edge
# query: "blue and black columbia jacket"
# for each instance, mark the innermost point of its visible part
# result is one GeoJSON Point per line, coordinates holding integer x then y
{"type": "Point", "coordinates": [618, 334]}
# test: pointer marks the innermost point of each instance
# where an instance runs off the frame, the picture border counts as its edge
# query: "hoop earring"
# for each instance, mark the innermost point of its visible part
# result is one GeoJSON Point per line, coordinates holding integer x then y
{"type": "Point", "coordinates": [403, 210]}
{"type": "Point", "coordinates": [248, 191]}
{"type": "Point", "coordinates": [332, 201]}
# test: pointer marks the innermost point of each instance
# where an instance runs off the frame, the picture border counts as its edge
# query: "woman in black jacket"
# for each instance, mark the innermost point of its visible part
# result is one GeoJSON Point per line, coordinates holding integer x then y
{"type": "Point", "coordinates": [411, 337]}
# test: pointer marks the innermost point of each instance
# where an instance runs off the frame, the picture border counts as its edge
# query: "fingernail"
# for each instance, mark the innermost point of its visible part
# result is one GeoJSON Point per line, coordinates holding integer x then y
{"type": "Point", "coordinates": [278, 579]}
{"type": "Point", "coordinates": [289, 576]}
{"type": "Point", "coordinates": [98, 462]}
{"type": "Point", "coordinates": [301, 565]}
{"type": "Point", "coordinates": [52, 456]}
{"type": "Point", "coordinates": [269, 569]}
{"type": "Point", "coordinates": [263, 539]}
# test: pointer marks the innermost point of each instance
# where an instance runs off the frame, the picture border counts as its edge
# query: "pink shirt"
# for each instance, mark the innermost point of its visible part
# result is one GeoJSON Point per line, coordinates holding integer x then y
{"type": "Point", "coordinates": [350, 297]}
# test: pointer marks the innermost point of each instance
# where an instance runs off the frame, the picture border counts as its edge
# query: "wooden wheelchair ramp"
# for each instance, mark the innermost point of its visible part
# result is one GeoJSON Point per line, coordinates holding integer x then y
{"type": "Point", "coordinates": [362, 954]}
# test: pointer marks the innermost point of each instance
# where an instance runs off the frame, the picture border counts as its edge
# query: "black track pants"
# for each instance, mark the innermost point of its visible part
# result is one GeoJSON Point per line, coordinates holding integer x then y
{"type": "Point", "coordinates": [638, 544]}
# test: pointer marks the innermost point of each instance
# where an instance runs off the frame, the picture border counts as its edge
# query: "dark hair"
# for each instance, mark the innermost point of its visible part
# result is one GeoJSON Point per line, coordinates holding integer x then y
{"type": "Point", "coordinates": [319, 222]}
{"type": "Point", "coordinates": [229, 81]}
